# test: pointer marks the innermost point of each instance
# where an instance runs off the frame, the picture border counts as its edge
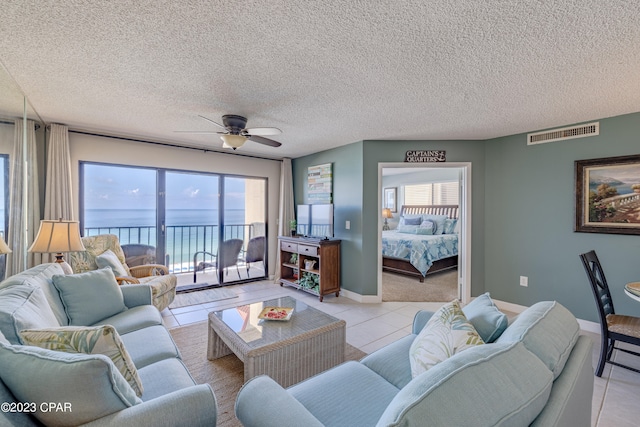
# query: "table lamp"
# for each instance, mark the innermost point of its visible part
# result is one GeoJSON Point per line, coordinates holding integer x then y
{"type": "Point", "coordinates": [386, 214]}
{"type": "Point", "coordinates": [58, 237]}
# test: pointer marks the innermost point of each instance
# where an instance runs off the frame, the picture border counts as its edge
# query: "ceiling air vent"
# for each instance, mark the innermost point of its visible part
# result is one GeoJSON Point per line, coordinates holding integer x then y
{"type": "Point", "coordinates": [553, 135]}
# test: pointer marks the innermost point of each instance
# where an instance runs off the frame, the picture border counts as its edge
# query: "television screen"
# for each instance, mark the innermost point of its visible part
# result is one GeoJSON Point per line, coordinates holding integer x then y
{"type": "Point", "coordinates": [303, 216]}
{"type": "Point", "coordinates": [315, 220]}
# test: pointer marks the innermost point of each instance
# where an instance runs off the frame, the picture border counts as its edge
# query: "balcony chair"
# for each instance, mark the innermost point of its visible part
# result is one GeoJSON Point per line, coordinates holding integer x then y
{"type": "Point", "coordinates": [136, 254]}
{"type": "Point", "coordinates": [615, 327]}
{"type": "Point", "coordinates": [229, 253]}
{"type": "Point", "coordinates": [255, 252]}
{"type": "Point", "coordinates": [163, 284]}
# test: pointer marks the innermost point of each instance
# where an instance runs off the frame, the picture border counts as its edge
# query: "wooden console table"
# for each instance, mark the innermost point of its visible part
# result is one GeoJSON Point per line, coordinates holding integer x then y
{"type": "Point", "coordinates": [312, 265]}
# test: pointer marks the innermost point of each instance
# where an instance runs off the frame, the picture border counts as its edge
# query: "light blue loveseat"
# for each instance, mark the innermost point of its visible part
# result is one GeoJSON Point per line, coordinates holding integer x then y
{"type": "Point", "coordinates": [538, 372]}
{"type": "Point", "coordinates": [89, 390]}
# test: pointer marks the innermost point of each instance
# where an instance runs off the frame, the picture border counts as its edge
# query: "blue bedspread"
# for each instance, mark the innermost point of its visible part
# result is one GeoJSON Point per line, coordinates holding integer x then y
{"type": "Point", "coordinates": [420, 250]}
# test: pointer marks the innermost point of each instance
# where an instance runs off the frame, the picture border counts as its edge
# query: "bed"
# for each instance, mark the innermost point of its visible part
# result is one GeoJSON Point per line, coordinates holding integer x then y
{"type": "Point", "coordinates": [419, 255]}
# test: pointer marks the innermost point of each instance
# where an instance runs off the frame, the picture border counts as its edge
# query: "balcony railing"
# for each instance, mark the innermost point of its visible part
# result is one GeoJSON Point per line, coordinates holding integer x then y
{"type": "Point", "coordinates": [181, 241]}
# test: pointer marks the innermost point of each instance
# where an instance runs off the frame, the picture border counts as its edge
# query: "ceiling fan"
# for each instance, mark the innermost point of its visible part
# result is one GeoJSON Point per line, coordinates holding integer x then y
{"type": "Point", "coordinates": [235, 133]}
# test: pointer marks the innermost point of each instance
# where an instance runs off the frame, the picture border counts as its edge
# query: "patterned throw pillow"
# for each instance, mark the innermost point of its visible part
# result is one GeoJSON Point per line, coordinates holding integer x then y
{"type": "Point", "coordinates": [447, 332]}
{"type": "Point", "coordinates": [450, 225]}
{"type": "Point", "coordinates": [88, 340]}
{"type": "Point", "coordinates": [427, 227]}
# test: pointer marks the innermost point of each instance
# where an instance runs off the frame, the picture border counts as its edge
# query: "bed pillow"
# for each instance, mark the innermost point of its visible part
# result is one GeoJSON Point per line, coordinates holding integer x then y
{"type": "Point", "coordinates": [408, 220]}
{"type": "Point", "coordinates": [486, 318]}
{"type": "Point", "coordinates": [450, 226]}
{"type": "Point", "coordinates": [426, 227]}
{"type": "Point", "coordinates": [88, 340]}
{"type": "Point", "coordinates": [447, 333]}
{"type": "Point", "coordinates": [438, 220]}
{"type": "Point", "coordinates": [408, 229]}
{"type": "Point", "coordinates": [89, 297]}
{"type": "Point", "coordinates": [89, 383]}
{"type": "Point", "coordinates": [109, 259]}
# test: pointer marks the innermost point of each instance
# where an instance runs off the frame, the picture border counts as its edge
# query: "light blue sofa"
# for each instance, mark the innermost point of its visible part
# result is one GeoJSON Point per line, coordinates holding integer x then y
{"type": "Point", "coordinates": [89, 385]}
{"type": "Point", "coordinates": [537, 372]}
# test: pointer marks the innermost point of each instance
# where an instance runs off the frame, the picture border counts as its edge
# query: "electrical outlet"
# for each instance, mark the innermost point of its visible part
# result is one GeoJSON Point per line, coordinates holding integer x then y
{"type": "Point", "coordinates": [524, 281]}
{"type": "Point", "coordinates": [347, 225]}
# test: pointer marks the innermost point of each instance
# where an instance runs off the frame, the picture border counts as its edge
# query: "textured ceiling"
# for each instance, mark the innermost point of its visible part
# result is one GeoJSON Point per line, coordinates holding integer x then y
{"type": "Point", "coordinates": [327, 73]}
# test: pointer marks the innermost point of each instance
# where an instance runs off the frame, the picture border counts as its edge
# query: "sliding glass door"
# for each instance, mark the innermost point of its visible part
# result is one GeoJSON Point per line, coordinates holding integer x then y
{"type": "Point", "coordinates": [211, 227]}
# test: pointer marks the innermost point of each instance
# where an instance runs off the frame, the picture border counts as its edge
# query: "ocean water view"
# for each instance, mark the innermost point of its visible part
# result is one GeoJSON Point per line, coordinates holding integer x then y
{"type": "Point", "coordinates": [147, 217]}
{"type": "Point", "coordinates": [187, 230]}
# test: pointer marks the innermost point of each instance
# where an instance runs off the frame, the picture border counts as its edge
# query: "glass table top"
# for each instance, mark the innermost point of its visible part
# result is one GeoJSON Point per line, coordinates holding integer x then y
{"type": "Point", "coordinates": [256, 332]}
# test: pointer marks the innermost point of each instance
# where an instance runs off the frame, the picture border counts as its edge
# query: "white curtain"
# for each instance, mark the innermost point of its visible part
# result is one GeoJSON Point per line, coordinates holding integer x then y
{"type": "Point", "coordinates": [23, 224]}
{"type": "Point", "coordinates": [287, 206]}
{"type": "Point", "coordinates": [58, 198]}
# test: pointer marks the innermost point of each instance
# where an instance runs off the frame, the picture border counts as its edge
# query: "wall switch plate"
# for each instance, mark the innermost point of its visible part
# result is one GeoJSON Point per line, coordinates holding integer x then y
{"type": "Point", "coordinates": [524, 281]}
{"type": "Point", "coordinates": [347, 225]}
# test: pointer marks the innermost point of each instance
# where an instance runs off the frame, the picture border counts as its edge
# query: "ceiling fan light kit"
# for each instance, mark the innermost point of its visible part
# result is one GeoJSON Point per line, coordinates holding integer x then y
{"type": "Point", "coordinates": [233, 141]}
{"type": "Point", "coordinates": [236, 133]}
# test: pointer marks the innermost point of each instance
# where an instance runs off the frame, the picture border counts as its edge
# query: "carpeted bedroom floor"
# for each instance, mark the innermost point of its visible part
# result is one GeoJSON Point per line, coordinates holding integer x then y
{"type": "Point", "coordinates": [437, 287]}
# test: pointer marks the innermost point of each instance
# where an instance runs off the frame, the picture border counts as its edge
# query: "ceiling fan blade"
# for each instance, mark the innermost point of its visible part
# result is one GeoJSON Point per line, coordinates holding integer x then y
{"type": "Point", "coordinates": [208, 119]}
{"type": "Point", "coordinates": [265, 141]}
{"type": "Point", "coordinates": [263, 131]}
{"type": "Point", "coordinates": [203, 132]}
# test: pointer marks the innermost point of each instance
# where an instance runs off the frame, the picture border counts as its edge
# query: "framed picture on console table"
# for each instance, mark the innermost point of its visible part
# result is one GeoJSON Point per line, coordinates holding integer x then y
{"type": "Point", "coordinates": [608, 195]}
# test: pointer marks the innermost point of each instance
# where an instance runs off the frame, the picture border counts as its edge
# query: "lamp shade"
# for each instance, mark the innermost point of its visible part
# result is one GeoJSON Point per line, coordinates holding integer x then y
{"type": "Point", "coordinates": [57, 236]}
{"type": "Point", "coordinates": [233, 141]}
{"type": "Point", "coordinates": [4, 249]}
{"type": "Point", "coordinates": [386, 213]}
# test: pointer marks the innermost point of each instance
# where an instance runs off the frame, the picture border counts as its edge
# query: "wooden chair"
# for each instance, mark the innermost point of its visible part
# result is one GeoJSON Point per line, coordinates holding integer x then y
{"type": "Point", "coordinates": [615, 327]}
{"type": "Point", "coordinates": [229, 252]}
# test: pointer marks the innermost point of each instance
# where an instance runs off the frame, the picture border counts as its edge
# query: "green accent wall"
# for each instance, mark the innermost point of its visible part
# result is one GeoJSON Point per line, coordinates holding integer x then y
{"type": "Point", "coordinates": [529, 222]}
{"type": "Point", "coordinates": [522, 214]}
{"type": "Point", "coordinates": [347, 200]}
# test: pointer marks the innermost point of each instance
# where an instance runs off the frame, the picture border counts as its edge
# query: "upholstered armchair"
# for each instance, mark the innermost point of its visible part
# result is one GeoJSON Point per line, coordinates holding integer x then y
{"type": "Point", "coordinates": [105, 250]}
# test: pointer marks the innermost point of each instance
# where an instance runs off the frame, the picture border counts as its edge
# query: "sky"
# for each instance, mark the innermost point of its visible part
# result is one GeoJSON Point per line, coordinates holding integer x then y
{"type": "Point", "coordinates": [116, 187]}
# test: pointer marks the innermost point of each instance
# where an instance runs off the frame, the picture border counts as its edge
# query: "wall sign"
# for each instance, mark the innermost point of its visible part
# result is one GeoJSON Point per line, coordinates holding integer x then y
{"type": "Point", "coordinates": [319, 181]}
{"type": "Point", "coordinates": [425, 156]}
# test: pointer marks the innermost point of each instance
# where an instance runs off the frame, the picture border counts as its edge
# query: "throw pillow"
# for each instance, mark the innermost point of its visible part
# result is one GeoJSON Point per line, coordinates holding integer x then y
{"type": "Point", "coordinates": [412, 221]}
{"type": "Point", "coordinates": [438, 220]}
{"type": "Point", "coordinates": [89, 297]}
{"type": "Point", "coordinates": [408, 229]}
{"type": "Point", "coordinates": [446, 333]}
{"type": "Point", "coordinates": [24, 306]}
{"type": "Point", "coordinates": [88, 340]}
{"type": "Point", "coordinates": [426, 227]}
{"type": "Point", "coordinates": [486, 318]}
{"type": "Point", "coordinates": [89, 383]}
{"type": "Point", "coordinates": [450, 226]}
{"type": "Point", "coordinates": [109, 259]}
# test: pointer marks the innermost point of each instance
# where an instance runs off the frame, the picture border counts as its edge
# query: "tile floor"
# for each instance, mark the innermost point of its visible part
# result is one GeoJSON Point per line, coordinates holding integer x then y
{"type": "Point", "coordinates": [372, 326]}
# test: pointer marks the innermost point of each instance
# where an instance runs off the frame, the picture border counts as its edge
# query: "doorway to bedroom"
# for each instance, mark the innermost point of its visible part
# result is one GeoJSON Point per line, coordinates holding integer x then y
{"type": "Point", "coordinates": [424, 232]}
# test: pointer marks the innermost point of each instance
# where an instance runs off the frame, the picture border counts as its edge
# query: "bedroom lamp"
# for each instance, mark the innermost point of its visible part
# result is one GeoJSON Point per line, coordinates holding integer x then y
{"type": "Point", "coordinates": [386, 214]}
{"type": "Point", "coordinates": [233, 141]}
{"type": "Point", "coordinates": [58, 237]}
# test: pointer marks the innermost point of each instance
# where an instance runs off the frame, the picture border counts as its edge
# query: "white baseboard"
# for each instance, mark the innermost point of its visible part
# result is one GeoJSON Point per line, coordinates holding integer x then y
{"type": "Point", "coordinates": [365, 299]}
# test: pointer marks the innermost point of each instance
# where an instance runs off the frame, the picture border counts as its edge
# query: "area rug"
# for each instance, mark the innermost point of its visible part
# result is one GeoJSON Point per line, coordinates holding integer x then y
{"type": "Point", "coordinates": [225, 375]}
{"type": "Point", "coordinates": [201, 297]}
{"type": "Point", "coordinates": [437, 287]}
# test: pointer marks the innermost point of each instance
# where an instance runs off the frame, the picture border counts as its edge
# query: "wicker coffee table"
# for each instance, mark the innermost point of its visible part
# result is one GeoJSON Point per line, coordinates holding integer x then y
{"type": "Point", "coordinates": [288, 351]}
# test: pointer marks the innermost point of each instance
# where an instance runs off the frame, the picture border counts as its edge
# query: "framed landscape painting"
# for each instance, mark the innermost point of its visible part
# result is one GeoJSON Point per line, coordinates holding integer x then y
{"type": "Point", "coordinates": [608, 195]}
